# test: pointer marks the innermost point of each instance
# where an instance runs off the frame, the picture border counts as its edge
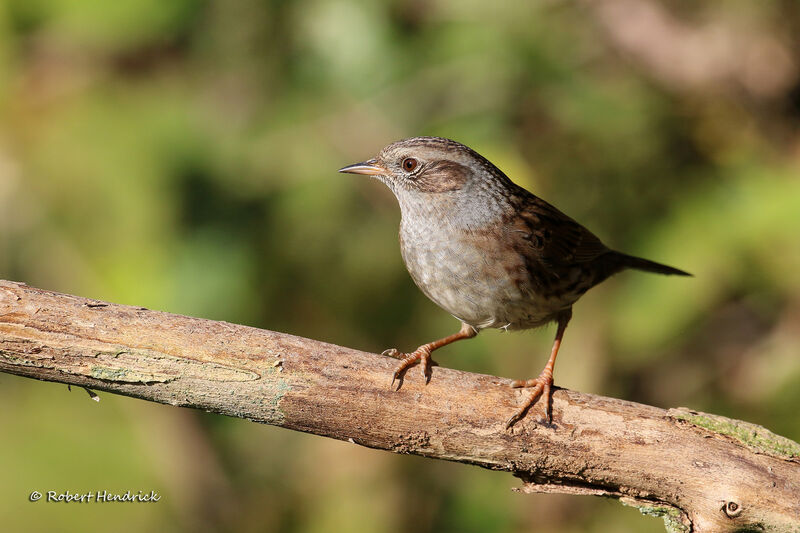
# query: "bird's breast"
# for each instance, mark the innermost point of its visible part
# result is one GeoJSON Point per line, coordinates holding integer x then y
{"type": "Point", "coordinates": [473, 276]}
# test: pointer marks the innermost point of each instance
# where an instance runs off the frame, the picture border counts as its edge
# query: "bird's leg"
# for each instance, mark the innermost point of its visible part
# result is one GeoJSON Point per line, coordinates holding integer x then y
{"type": "Point", "coordinates": [543, 384]}
{"type": "Point", "coordinates": [423, 353]}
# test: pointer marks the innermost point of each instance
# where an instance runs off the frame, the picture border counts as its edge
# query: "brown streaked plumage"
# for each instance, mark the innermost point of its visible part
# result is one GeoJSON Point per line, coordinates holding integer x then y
{"type": "Point", "coordinates": [488, 251]}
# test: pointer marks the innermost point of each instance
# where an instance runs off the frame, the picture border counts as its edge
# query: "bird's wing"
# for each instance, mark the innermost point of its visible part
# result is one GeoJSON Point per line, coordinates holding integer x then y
{"type": "Point", "coordinates": [550, 237]}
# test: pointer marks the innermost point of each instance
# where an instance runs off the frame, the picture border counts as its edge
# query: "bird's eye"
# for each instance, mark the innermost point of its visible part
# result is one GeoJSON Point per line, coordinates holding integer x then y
{"type": "Point", "coordinates": [409, 164]}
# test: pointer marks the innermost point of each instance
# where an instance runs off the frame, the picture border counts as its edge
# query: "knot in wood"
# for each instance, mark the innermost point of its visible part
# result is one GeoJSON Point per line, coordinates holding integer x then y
{"type": "Point", "coordinates": [732, 509]}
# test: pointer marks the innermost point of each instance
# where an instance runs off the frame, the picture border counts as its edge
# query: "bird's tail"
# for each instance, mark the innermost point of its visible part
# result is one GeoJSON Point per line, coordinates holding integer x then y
{"type": "Point", "coordinates": [630, 261]}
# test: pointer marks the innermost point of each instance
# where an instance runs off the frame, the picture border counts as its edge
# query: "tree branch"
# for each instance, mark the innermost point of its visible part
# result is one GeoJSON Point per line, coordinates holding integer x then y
{"type": "Point", "coordinates": [700, 472]}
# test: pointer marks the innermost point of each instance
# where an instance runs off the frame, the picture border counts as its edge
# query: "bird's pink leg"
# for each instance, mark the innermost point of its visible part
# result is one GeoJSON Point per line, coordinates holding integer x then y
{"type": "Point", "coordinates": [423, 353]}
{"type": "Point", "coordinates": [543, 384]}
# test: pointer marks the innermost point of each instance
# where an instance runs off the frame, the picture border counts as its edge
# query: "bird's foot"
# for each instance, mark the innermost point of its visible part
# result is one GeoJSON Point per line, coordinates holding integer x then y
{"type": "Point", "coordinates": [407, 360]}
{"type": "Point", "coordinates": [542, 388]}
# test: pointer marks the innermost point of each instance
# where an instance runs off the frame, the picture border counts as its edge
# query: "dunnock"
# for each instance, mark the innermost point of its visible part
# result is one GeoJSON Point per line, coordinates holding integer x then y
{"type": "Point", "coordinates": [488, 251]}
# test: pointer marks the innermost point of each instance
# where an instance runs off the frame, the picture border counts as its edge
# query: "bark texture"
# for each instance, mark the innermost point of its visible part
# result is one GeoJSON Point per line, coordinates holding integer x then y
{"type": "Point", "coordinates": [699, 472]}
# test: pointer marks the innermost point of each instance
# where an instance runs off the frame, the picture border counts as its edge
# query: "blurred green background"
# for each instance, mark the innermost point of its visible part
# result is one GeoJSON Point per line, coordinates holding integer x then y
{"type": "Point", "coordinates": [182, 156]}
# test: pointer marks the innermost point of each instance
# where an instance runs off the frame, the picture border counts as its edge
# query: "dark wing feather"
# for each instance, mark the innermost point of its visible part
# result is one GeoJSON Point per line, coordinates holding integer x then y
{"type": "Point", "coordinates": [554, 240]}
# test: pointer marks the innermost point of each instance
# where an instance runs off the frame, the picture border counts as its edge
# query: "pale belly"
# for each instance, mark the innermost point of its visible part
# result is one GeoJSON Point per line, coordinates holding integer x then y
{"type": "Point", "coordinates": [478, 285]}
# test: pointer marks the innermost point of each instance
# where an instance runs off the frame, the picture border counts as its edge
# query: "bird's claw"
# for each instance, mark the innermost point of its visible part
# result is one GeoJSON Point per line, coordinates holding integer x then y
{"type": "Point", "coordinates": [408, 360]}
{"type": "Point", "coordinates": [542, 388]}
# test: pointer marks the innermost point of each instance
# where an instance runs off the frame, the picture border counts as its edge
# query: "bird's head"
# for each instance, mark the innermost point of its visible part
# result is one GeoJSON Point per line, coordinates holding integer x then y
{"type": "Point", "coordinates": [422, 166]}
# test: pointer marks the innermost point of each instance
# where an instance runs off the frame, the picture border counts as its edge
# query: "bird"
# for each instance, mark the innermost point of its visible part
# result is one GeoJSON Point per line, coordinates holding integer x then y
{"type": "Point", "coordinates": [488, 251]}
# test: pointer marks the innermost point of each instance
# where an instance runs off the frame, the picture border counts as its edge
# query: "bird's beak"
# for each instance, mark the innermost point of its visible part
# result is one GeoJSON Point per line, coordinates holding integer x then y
{"type": "Point", "coordinates": [371, 168]}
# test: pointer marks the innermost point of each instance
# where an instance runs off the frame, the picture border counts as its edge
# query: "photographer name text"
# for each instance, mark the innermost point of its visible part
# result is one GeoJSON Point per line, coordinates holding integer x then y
{"type": "Point", "coordinates": [97, 496]}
